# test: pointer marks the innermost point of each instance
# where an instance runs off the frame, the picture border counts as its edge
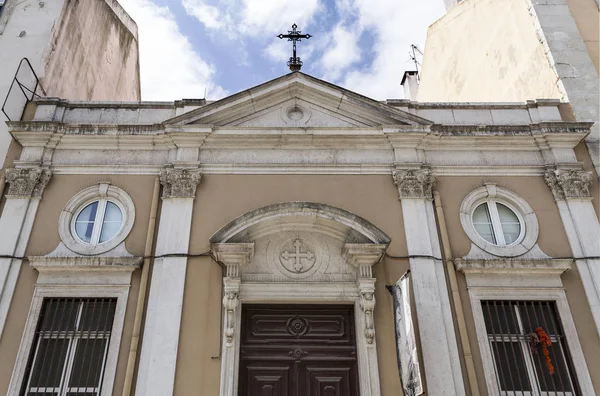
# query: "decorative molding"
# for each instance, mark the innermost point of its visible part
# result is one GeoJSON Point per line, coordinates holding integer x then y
{"type": "Point", "coordinates": [363, 256]}
{"type": "Point", "coordinates": [514, 266]}
{"type": "Point", "coordinates": [27, 182]}
{"type": "Point", "coordinates": [569, 183]}
{"type": "Point", "coordinates": [230, 303]}
{"type": "Point", "coordinates": [366, 302]}
{"type": "Point", "coordinates": [233, 256]}
{"type": "Point", "coordinates": [414, 183]}
{"type": "Point", "coordinates": [180, 182]}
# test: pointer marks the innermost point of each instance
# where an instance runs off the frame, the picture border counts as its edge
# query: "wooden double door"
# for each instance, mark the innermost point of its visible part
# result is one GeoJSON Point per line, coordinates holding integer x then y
{"type": "Point", "coordinates": [298, 350]}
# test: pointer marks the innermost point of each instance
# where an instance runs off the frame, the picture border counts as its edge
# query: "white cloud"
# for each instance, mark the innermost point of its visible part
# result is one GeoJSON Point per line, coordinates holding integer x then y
{"type": "Point", "coordinates": [395, 24]}
{"type": "Point", "coordinates": [341, 52]}
{"type": "Point", "coordinates": [170, 67]}
{"type": "Point", "coordinates": [278, 51]}
{"type": "Point", "coordinates": [208, 15]}
{"type": "Point", "coordinates": [252, 17]}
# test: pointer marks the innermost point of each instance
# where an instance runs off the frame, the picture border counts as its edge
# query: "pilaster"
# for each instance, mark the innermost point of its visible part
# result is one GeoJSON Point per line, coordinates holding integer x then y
{"type": "Point", "coordinates": [163, 318]}
{"type": "Point", "coordinates": [233, 256]}
{"type": "Point", "coordinates": [25, 188]}
{"type": "Point", "coordinates": [438, 339]}
{"type": "Point", "coordinates": [570, 188]}
{"type": "Point", "coordinates": [363, 257]}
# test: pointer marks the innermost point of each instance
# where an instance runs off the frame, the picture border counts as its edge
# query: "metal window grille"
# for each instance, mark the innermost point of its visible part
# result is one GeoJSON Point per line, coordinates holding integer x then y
{"type": "Point", "coordinates": [524, 367]}
{"type": "Point", "coordinates": [70, 347]}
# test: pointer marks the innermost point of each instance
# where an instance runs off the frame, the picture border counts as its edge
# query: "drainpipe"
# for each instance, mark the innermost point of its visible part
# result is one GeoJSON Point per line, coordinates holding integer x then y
{"type": "Point", "coordinates": [141, 300]}
{"type": "Point", "coordinates": [2, 184]}
{"type": "Point", "coordinates": [460, 315]}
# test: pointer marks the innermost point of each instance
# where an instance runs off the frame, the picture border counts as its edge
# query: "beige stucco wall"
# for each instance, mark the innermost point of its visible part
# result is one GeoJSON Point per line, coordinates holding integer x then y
{"type": "Point", "coordinates": [587, 18]}
{"type": "Point", "coordinates": [44, 239]}
{"type": "Point", "coordinates": [94, 53]}
{"type": "Point", "coordinates": [552, 240]}
{"type": "Point", "coordinates": [219, 200]}
{"type": "Point", "coordinates": [486, 50]}
{"type": "Point", "coordinates": [582, 154]}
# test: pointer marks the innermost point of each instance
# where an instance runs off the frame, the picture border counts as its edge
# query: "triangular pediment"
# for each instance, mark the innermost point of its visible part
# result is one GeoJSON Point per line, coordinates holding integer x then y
{"type": "Point", "coordinates": [297, 100]}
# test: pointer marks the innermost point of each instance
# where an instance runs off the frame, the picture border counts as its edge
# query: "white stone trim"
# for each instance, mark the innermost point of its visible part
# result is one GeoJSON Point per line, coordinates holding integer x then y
{"type": "Point", "coordinates": [79, 201]}
{"type": "Point", "coordinates": [77, 278]}
{"type": "Point", "coordinates": [477, 294]}
{"type": "Point", "coordinates": [529, 224]}
{"type": "Point", "coordinates": [303, 169]}
{"type": "Point", "coordinates": [438, 338]}
{"type": "Point", "coordinates": [359, 293]}
{"type": "Point", "coordinates": [158, 357]}
{"type": "Point", "coordinates": [16, 223]}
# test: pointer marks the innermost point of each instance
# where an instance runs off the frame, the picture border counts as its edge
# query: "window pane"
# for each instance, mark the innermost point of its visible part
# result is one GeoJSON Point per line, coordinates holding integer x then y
{"type": "Point", "coordinates": [483, 223]}
{"type": "Point", "coordinates": [49, 363]}
{"type": "Point", "coordinates": [87, 364]}
{"type": "Point", "coordinates": [511, 227]}
{"type": "Point", "coordinates": [112, 222]}
{"type": "Point", "coordinates": [499, 317]}
{"type": "Point", "coordinates": [97, 315]}
{"type": "Point", "coordinates": [559, 381]}
{"type": "Point", "coordinates": [59, 315]}
{"type": "Point", "coordinates": [84, 224]}
{"type": "Point", "coordinates": [510, 366]}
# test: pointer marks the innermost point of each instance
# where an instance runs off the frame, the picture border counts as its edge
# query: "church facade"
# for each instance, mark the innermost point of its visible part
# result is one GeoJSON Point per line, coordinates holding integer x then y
{"type": "Point", "coordinates": [244, 246]}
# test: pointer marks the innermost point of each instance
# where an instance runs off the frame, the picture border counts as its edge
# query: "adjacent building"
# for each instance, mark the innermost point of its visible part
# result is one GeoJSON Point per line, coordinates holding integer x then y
{"type": "Point", "coordinates": [244, 246]}
{"type": "Point", "coordinates": [517, 50]}
{"type": "Point", "coordinates": [78, 50]}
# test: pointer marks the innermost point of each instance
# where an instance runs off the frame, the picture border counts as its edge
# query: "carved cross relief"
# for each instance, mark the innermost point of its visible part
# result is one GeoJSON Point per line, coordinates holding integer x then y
{"type": "Point", "coordinates": [298, 258]}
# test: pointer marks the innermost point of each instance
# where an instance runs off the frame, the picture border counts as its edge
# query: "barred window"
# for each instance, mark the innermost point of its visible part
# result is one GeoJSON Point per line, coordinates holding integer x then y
{"type": "Point", "coordinates": [70, 347]}
{"type": "Point", "coordinates": [528, 346]}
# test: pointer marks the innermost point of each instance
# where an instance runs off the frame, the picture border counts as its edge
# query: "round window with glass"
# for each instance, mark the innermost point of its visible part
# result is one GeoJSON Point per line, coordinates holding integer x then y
{"type": "Point", "coordinates": [98, 222]}
{"type": "Point", "coordinates": [497, 223]}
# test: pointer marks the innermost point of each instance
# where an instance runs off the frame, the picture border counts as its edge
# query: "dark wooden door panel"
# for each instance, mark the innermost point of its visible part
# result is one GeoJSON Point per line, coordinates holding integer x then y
{"type": "Point", "coordinates": [266, 379]}
{"type": "Point", "coordinates": [330, 379]}
{"type": "Point", "coordinates": [298, 350]}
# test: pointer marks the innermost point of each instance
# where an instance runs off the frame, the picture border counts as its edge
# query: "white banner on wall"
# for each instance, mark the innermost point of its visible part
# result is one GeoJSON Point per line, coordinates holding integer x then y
{"type": "Point", "coordinates": [406, 343]}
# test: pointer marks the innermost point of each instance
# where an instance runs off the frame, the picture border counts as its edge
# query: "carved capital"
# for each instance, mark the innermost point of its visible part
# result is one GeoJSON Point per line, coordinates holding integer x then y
{"type": "Point", "coordinates": [233, 255]}
{"type": "Point", "coordinates": [180, 182]}
{"type": "Point", "coordinates": [569, 183]}
{"type": "Point", "coordinates": [414, 183]}
{"type": "Point", "coordinates": [27, 182]}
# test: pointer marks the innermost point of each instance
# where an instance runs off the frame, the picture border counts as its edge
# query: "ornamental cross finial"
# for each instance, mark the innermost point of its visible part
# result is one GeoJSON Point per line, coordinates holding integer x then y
{"type": "Point", "coordinates": [297, 256]}
{"type": "Point", "coordinates": [294, 35]}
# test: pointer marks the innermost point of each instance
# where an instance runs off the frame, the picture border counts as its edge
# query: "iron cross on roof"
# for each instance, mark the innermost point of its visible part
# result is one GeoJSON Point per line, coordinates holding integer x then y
{"type": "Point", "coordinates": [294, 35]}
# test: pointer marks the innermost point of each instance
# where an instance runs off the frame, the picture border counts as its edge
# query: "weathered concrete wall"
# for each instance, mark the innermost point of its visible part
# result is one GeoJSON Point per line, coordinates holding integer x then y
{"type": "Point", "coordinates": [486, 51]}
{"type": "Point", "coordinates": [25, 31]}
{"type": "Point", "coordinates": [517, 50]}
{"type": "Point", "coordinates": [85, 50]}
{"type": "Point", "coordinates": [94, 53]}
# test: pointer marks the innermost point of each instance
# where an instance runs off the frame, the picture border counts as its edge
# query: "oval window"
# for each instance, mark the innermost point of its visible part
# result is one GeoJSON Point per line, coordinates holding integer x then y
{"type": "Point", "coordinates": [98, 222]}
{"type": "Point", "coordinates": [497, 223]}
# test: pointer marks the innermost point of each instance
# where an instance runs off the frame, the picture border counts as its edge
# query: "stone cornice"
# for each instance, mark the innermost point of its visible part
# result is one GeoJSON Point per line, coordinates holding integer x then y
{"type": "Point", "coordinates": [414, 183]}
{"type": "Point", "coordinates": [180, 182]}
{"type": "Point", "coordinates": [85, 263]}
{"type": "Point", "coordinates": [27, 182]}
{"type": "Point", "coordinates": [569, 183]}
{"type": "Point", "coordinates": [514, 266]}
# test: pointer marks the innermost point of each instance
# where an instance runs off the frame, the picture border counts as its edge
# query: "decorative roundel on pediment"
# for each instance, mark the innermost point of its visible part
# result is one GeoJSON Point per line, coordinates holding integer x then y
{"type": "Point", "coordinates": [295, 114]}
{"type": "Point", "coordinates": [297, 256]}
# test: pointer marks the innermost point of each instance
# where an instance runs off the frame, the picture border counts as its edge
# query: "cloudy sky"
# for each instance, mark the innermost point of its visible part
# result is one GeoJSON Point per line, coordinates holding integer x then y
{"type": "Point", "coordinates": [189, 47]}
